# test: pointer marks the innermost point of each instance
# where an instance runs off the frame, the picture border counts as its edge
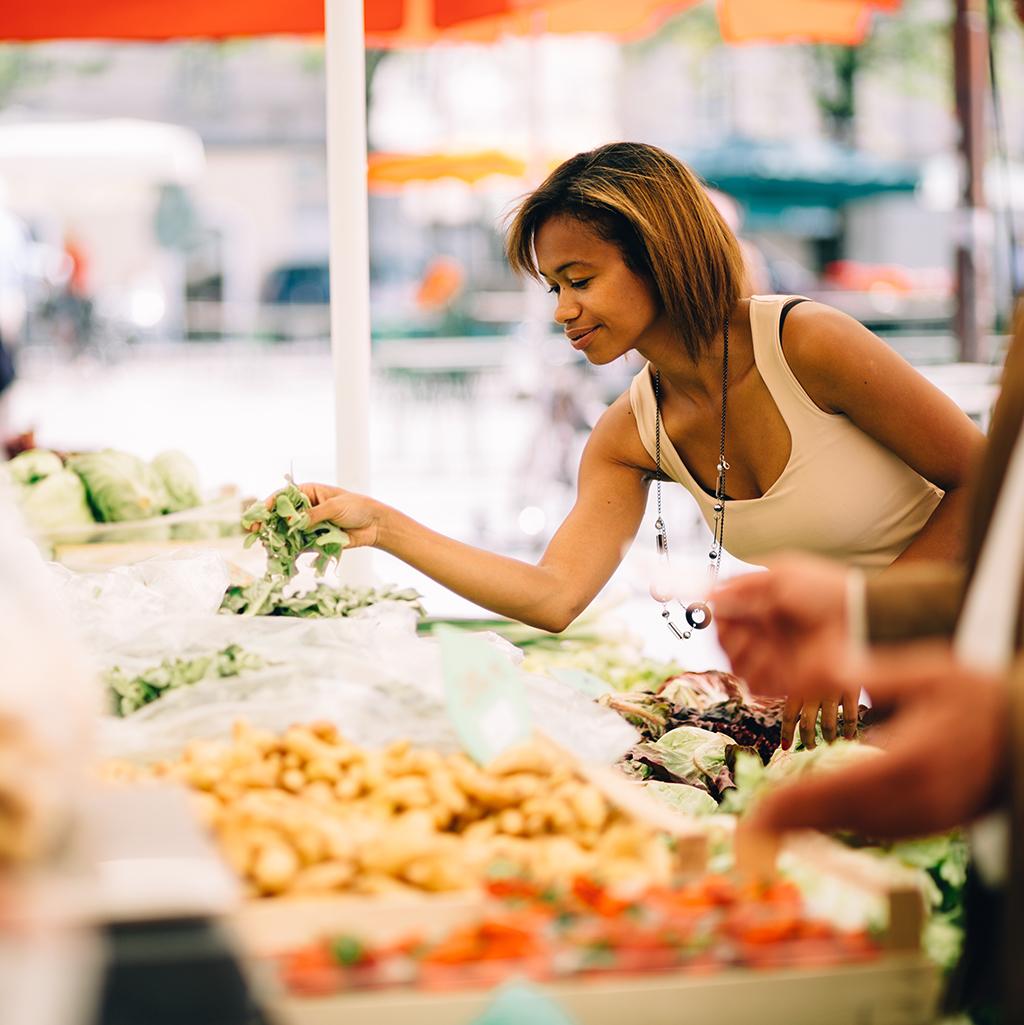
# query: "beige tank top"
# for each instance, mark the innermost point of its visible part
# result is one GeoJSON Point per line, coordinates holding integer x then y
{"type": "Point", "coordinates": [841, 494]}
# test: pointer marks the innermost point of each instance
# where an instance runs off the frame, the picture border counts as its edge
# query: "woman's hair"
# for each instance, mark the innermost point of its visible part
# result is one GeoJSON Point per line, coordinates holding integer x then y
{"type": "Point", "coordinates": [656, 211]}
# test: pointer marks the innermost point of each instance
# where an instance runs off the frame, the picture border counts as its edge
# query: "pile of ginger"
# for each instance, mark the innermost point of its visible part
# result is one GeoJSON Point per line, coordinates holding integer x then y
{"type": "Point", "coordinates": [306, 811]}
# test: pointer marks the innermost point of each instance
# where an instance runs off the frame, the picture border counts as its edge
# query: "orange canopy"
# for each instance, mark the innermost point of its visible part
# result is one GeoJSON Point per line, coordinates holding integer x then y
{"type": "Point", "coordinates": [391, 23]}
{"type": "Point", "coordinates": [392, 170]}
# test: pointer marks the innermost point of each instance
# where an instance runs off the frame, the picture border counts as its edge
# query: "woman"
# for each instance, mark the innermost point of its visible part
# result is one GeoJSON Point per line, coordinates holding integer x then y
{"type": "Point", "coordinates": [832, 443]}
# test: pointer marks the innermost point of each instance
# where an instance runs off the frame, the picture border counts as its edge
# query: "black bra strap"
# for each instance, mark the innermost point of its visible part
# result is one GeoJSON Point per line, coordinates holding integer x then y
{"type": "Point", "coordinates": [785, 310]}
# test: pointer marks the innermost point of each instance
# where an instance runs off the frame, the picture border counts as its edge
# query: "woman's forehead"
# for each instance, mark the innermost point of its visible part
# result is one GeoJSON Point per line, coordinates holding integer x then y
{"type": "Point", "coordinates": [561, 239]}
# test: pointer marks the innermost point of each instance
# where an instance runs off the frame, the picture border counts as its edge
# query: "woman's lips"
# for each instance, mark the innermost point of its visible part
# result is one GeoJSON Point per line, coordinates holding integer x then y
{"type": "Point", "coordinates": [580, 342]}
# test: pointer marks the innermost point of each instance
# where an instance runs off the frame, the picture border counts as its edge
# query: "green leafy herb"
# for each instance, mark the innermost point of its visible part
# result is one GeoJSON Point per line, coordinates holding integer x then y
{"type": "Point", "coordinates": [131, 692]}
{"type": "Point", "coordinates": [268, 597]}
{"type": "Point", "coordinates": [285, 533]}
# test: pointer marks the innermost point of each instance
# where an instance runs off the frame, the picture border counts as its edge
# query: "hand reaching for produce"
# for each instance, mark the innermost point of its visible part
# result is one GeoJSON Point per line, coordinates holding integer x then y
{"type": "Point", "coordinates": [919, 785]}
{"type": "Point", "coordinates": [786, 632]}
{"type": "Point", "coordinates": [357, 515]}
{"type": "Point", "coordinates": [285, 527]}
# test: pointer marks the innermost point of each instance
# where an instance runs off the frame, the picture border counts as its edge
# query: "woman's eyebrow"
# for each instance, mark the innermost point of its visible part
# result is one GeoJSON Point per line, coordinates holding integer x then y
{"type": "Point", "coordinates": [565, 267]}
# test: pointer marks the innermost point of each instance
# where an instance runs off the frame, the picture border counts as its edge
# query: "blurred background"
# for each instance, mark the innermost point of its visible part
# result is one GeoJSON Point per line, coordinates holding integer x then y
{"type": "Point", "coordinates": [164, 232]}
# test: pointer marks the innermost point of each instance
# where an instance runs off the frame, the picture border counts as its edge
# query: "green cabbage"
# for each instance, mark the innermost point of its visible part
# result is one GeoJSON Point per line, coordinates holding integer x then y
{"type": "Point", "coordinates": [683, 797]}
{"type": "Point", "coordinates": [121, 486]}
{"type": "Point", "coordinates": [55, 502]}
{"type": "Point", "coordinates": [181, 479]}
{"type": "Point", "coordinates": [34, 465]}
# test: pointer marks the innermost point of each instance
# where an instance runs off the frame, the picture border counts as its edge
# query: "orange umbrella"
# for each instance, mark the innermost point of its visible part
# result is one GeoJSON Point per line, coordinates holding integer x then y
{"type": "Point", "coordinates": [390, 23]}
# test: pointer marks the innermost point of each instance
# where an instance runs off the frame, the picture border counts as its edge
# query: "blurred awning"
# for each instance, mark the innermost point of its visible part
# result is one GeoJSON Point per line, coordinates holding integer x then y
{"type": "Point", "coordinates": [770, 177]}
{"type": "Point", "coordinates": [395, 23]}
{"type": "Point", "coordinates": [388, 171]}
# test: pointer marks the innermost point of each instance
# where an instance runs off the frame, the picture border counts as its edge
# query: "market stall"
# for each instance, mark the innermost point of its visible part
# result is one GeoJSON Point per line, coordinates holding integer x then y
{"type": "Point", "coordinates": [378, 815]}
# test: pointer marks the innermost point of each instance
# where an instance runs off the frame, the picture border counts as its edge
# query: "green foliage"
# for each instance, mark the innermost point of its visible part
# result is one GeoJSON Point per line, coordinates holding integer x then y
{"type": "Point", "coordinates": [269, 597]}
{"type": "Point", "coordinates": [129, 693]}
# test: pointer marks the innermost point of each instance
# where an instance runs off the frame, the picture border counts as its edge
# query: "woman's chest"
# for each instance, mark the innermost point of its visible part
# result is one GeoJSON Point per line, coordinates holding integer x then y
{"type": "Point", "coordinates": [758, 441]}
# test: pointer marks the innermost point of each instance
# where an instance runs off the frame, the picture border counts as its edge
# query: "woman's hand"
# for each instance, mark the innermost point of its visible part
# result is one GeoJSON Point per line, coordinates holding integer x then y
{"type": "Point", "coordinates": [360, 517]}
{"type": "Point", "coordinates": [804, 713]}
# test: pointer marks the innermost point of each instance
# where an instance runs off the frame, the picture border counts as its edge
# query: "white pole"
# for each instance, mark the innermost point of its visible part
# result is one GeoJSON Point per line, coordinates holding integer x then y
{"type": "Point", "coordinates": [349, 255]}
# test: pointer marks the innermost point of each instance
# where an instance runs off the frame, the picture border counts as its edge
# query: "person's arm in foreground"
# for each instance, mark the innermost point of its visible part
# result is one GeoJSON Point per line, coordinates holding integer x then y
{"type": "Point", "coordinates": [944, 759]}
{"type": "Point", "coordinates": [583, 554]}
{"type": "Point", "coordinates": [788, 631]}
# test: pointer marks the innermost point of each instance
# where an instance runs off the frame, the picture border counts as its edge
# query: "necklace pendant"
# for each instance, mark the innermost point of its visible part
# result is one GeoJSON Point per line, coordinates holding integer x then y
{"type": "Point", "coordinates": [662, 544]}
{"type": "Point", "coordinates": [698, 615]}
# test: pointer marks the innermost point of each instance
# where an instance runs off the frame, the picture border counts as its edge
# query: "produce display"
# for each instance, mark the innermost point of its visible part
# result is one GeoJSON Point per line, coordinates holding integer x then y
{"type": "Point", "coordinates": [283, 529]}
{"type": "Point", "coordinates": [58, 493]}
{"type": "Point", "coordinates": [273, 596]}
{"type": "Point", "coordinates": [306, 811]}
{"type": "Point", "coordinates": [132, 691]}
{"type": "Point", "coordinates": [586, 929]}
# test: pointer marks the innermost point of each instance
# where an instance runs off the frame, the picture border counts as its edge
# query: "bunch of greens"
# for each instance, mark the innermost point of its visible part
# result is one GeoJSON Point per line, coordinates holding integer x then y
{"type": "Point", "coordinates": [130, 692]}
{"type": "Point", "coordinates": [268, 597]}
{"type": "Point", "coordinates": [284, 531]}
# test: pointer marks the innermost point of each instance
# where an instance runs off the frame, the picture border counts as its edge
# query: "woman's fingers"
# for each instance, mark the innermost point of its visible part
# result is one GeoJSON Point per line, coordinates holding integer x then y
{"type": "Point", "coordinates": [829, 720]}
{"type": "Point", "coordinates": [808, 720]}
{"type": "Point", "coordinates": [851, 707]}
{"type": "Point", "coordinates": [790, 717]}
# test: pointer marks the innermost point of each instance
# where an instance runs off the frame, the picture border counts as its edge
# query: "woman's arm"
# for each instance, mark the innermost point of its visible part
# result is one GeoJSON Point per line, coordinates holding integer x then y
{"type": "Point", "coordinates": [846, 369]}
{"type": "Point", "coordinates": [583, 554]}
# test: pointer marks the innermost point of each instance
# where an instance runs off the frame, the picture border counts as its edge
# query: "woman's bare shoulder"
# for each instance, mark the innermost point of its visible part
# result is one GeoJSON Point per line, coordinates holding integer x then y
{"type": "Point", "coordinates": [828, 351]}
{"type": "Point", "coordinates": [616, 436]}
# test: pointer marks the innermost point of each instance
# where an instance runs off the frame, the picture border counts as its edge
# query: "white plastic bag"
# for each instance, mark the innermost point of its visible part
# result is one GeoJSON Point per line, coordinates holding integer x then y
{"type": "Point", "coordinates": [111, 608]}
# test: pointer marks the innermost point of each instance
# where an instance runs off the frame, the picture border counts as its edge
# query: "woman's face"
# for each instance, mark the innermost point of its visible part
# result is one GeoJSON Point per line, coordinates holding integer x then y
{"type": "Point", "coordinates": [604, 308]}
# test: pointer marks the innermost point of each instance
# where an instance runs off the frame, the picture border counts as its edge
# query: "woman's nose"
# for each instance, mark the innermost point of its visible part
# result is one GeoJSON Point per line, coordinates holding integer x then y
{"type": "Point", "coordinates": [566, 309]}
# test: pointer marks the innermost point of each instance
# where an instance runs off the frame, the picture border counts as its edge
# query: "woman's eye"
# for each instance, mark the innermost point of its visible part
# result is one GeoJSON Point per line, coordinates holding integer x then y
{"type": "Point", "coordinates": [582, 283]}
{"type": "Point", "coordinates": [553, 290]}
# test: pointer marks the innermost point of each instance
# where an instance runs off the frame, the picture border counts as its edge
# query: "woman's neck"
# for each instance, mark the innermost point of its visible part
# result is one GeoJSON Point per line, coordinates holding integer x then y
{"type": "Point", "coordinates": [700, 377]}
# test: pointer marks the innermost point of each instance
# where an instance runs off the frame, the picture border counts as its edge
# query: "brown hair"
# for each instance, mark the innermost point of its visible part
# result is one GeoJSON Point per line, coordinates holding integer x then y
{"type": "Point", "coordinates": [657, 212]}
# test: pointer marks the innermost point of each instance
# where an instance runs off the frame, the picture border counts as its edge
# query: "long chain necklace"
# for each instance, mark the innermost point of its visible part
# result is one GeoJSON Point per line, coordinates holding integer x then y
{"type": "Point", "coordinates": [697, 613]}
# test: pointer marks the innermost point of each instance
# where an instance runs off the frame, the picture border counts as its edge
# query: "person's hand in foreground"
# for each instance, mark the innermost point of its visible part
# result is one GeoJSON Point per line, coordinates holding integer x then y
{"type": "Point", "coordinates": [944, 751]}
{"type": "Point", "coordinates": [786, 633]}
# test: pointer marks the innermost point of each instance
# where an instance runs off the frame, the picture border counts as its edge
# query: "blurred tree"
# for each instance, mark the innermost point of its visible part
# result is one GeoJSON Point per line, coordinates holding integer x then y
{"type": "Point", "coordinates": [21, 67]}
